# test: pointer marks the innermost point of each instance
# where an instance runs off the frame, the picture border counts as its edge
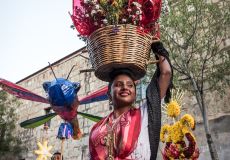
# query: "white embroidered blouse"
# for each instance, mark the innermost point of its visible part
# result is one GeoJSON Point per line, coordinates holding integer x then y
{"type": "Point", "coordinates": [142, 151]}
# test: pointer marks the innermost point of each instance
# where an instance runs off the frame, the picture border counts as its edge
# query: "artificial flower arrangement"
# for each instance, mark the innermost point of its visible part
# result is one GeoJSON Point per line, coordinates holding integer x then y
{"type": "Point", "coordinates": [90, 15]}
{"type": "Point", "coordinates": [173, 134]}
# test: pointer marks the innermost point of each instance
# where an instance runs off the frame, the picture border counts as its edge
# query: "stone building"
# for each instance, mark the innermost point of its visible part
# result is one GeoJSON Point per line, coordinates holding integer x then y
{"type": "Point", "coordinates": [78, 149]}
{"type": "Point", "coordinates": [72, 149]}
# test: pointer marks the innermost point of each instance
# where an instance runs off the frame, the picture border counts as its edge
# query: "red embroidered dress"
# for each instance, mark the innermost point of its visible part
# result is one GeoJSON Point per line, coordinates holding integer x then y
{"type": "Point", "coordinates": [115, 138]}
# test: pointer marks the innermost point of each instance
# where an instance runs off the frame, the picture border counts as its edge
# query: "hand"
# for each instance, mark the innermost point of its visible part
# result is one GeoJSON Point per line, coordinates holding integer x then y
{"type": "Point", "coordinates": [155, 39]}
{"type": "Point", "coordinates": [158, 48]}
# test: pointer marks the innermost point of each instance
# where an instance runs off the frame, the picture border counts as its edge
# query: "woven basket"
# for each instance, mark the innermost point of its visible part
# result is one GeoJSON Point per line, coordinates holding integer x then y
{"type": "Point", "coordinates": [122, 47]}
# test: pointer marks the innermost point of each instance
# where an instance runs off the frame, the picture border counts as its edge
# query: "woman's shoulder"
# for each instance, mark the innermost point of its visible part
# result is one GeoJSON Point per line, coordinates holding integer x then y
{"type": "Point", "coordinates": [99, 123]}
{"type": "Point", "coordinates": [143, 107]}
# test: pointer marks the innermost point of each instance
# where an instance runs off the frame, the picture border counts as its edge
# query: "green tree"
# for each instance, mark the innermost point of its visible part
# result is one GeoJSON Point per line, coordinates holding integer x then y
{"type": "Point", "coordinates": [196, 34]}
{"type": "Point", "coordinates": [10, 145]}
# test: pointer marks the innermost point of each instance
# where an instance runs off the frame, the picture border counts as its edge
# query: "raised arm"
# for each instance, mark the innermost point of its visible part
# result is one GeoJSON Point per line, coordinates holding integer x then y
{"type": "Point", "coordinates": [158, 88]}
{"type": "Point", "coordinates": [164, 67]}
{"type": "Point", "coordinates": [165, 76]}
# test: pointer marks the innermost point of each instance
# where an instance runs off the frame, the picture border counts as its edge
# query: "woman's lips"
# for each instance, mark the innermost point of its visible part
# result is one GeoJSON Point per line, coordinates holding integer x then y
{"type": "Point", "coordinates": [124, 94]}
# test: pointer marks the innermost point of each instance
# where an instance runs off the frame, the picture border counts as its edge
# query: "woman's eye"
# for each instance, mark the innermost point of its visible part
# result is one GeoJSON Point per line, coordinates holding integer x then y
{"type": "Point", "coordinates": [118, 85]}
{"type": "Point", "coordinates": [130, 85]}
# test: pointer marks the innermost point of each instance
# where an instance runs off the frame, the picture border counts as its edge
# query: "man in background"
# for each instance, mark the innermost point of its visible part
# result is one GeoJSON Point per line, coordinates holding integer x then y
{"type": "Point", "coordinates": [57, 156]}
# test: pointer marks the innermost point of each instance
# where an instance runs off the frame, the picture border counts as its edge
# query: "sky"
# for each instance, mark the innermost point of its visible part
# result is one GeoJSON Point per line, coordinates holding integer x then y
{"type": "Point", "coordinates": [33, 33]}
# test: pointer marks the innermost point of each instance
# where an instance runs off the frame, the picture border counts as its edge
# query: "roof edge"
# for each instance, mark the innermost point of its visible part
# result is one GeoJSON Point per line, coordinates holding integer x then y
{"type": "Point", "coordinates": [54, 63]}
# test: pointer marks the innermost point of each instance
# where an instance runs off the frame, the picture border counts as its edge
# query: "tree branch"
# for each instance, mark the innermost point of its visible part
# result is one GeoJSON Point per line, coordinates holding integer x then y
{"type": "Point", "coordinates": [172, 38]}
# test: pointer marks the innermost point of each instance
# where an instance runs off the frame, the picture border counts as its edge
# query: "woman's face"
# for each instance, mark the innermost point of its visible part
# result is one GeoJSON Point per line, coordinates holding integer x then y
{"type": "Point", "coordinates": [123, 91]}
{"type": "Point", "coordinates": [57, 157]}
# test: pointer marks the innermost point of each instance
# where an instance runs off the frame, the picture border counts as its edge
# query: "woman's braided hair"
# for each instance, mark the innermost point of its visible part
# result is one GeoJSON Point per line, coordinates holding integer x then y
{"type": "Point", "coordinates": [154, 100]}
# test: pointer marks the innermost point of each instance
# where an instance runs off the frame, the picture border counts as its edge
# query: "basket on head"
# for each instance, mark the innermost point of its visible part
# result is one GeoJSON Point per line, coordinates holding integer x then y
{"type": "Point", "coordinates": [121, 46]}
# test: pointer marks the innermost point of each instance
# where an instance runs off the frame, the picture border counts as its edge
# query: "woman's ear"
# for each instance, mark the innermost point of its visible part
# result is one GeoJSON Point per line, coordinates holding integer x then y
{"type": "Point", "coordinates": [109, 96]}
{"type": "Point", "coordinates": [110, 100]}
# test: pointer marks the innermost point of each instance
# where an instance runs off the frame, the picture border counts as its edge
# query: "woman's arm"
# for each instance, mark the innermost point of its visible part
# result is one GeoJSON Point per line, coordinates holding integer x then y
{"type": "Point", "coordinates": [164, 67]}
{"type": "Point", "coordinates": [158, 88]}
{"type": "Point", "coordinates": [165, 75]}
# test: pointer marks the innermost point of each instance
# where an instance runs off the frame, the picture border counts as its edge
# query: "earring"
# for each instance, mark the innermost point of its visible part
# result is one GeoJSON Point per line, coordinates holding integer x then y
{"type": "Point", "coordinates": [110, 105]}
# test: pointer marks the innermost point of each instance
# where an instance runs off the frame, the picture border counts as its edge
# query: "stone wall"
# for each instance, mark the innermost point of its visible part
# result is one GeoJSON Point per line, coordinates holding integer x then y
{"type": "Point", "coordinates": [78, 149]}
{"type": "Point", "coordinates": [220, 130]}
{"type": "Point", "coordinates": [73, 149]}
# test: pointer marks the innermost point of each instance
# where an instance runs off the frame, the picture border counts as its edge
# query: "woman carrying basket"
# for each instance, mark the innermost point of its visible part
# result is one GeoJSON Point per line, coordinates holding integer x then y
{"type": "Point", "coordinates": [130, 132]}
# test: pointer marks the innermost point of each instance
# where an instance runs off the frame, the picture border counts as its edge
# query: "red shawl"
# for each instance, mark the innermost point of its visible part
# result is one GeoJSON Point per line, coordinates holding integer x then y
{"type": "Point", "coordinates": [125, 131]}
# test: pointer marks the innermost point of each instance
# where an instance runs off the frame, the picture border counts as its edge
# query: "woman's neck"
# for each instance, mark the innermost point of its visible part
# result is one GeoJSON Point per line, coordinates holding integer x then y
{"type": "Point", "coordinates": [119, 111]}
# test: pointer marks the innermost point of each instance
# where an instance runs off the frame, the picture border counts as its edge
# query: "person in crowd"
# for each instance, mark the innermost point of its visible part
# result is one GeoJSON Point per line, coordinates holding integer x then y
{"type": "Point", "coordinates": [57, 156]}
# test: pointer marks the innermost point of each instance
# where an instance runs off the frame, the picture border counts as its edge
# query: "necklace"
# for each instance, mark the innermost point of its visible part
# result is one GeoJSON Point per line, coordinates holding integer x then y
{"type": "Point", "coordinates": [111, 137]}
{"type": "Point", "coordinates": [109, 142]}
